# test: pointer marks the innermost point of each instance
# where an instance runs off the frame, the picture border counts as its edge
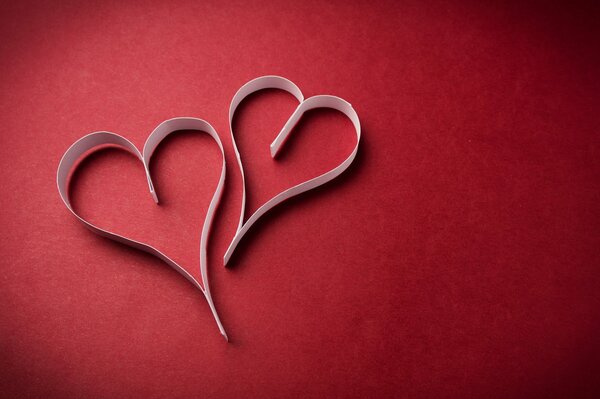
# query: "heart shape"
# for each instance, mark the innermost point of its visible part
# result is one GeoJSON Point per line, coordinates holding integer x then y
{"type": "Point", "coordinates": [92, 141]}
{"type": "Point", "coordinates": [320, 101]}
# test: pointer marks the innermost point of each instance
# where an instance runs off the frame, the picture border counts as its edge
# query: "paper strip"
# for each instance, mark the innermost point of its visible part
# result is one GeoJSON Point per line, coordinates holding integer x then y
{"type": "Point", "coordinates": [92, 141]}
{"type": "Point", "coordinates": [320, 101]}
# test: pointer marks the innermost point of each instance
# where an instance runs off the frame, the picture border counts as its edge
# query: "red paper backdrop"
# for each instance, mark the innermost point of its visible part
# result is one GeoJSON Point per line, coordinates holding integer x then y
{"type": "Point", "coordinates": [458, 257]}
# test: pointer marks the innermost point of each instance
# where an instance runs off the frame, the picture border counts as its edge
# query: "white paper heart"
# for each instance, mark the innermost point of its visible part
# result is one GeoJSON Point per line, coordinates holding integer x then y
{"type": "Point", "coordinates": [84, 145]}
{"type": "Point", "coordinates": [320, 101]}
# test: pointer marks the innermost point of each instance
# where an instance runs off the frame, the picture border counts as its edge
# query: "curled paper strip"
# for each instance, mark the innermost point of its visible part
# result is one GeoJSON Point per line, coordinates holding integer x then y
{"type": "Point", "coordinates": [94, 140]}
{"type": "Point", "coordinates": [320, 101]}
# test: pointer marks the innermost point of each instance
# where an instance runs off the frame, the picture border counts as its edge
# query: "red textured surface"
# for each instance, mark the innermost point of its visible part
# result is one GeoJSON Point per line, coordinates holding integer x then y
{"type": "Point", "coordinates": [458, 257]}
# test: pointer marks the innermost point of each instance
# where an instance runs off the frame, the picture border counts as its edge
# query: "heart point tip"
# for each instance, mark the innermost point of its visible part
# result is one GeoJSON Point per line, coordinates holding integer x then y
{"type": "Point", "coordinates": [154, 196]}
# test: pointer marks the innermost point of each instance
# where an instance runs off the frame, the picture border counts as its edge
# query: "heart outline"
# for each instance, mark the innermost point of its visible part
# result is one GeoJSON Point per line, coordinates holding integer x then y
{"type": "Point", "coordinates": [318, 101]}
{"type": "Point", "coordinates": [92, 141]}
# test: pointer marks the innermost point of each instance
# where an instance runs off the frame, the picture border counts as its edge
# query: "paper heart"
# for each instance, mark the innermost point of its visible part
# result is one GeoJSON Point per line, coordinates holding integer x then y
{"type": "Point", "coordinates": [320, 101]}
{"type": "Point", "coordinates": [84, 145]}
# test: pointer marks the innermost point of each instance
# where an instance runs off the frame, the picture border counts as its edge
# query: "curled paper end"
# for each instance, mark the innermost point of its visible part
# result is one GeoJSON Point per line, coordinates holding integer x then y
{"type": "Point", "coordinates": [154, 196]}
{"type": "Point", "coordinates": [285, 132]}
{"type": "Point", "coordinates": [230, 250]}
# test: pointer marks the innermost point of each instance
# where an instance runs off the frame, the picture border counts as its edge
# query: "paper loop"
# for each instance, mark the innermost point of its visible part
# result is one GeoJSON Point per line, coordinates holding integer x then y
{"type": "Point", "coordinates": [320, 101]}
{"type": "Point", "coordinates": [95, 140]}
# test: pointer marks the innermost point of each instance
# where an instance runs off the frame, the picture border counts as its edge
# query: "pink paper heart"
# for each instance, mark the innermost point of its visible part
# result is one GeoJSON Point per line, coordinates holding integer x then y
{"type": "Point", "coordinates": [92, 141]}
{"type": "Point", "coordinates": [320, 101]}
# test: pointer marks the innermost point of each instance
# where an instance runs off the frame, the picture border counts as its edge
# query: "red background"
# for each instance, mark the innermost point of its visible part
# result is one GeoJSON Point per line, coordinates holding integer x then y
{"type": "Point", "coordinates": [457, 257]}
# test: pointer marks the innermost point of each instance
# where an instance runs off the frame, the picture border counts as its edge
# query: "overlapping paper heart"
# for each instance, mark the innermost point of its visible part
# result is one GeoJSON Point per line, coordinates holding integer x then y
{"type": "Point", "coordinates": [93, 141]}
{"type": "Point", "coordinates": [320, 101]}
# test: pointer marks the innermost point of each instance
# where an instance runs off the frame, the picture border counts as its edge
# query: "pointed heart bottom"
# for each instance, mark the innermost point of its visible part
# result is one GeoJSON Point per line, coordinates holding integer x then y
{"type": "Point", "coordinates": [95, 140]}
{"type": "Point", "coordinates": [321, 101]}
